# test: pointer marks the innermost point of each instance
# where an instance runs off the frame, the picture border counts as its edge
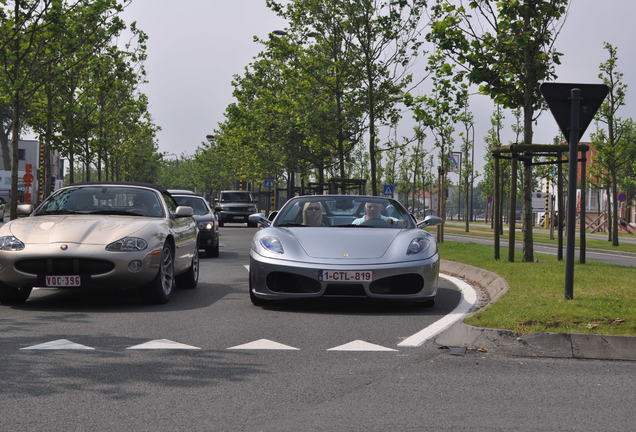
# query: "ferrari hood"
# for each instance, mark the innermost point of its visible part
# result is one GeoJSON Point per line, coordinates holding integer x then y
{"type": "Point", "coordinates": [75, 228]}
{"type": "Point", "coordinates": [353, 243]}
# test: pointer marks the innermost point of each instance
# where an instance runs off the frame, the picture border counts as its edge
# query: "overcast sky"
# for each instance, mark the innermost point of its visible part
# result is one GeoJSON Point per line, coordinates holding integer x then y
{"type": "Point", "coordinates": [196, 46]}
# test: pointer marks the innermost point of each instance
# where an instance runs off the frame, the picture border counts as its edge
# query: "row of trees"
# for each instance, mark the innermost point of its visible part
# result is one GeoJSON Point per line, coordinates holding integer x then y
{"type": "Point", "coordinates": [66, 76]}
{"type": "Point", "coordinates": [321, 95]}
{"type": "Point", "coordinates": [318, 97]}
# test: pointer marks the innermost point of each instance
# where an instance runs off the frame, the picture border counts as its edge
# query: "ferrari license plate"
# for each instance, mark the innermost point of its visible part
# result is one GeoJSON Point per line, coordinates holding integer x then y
{"type": "Point", "coordinates": [63, 281]}
{"type": "Point", "coordinates": [346, 276]}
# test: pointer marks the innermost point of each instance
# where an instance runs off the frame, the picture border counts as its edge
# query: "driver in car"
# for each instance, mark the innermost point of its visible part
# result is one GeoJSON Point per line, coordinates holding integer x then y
{"type": "Point", "coordinates": [373, 215]}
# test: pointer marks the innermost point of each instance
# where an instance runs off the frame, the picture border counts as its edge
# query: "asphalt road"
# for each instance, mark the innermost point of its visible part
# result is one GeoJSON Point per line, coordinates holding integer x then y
{"type": "Point", "coordinates": [215, 388]}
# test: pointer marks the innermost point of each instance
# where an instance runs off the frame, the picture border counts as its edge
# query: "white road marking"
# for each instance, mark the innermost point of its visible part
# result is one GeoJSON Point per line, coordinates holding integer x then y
{"type": "Point", "coordinates": [162, 344]}
{"type": "Point", "coordinates": [263, 344]}
{"type": "Point", "coordinates": [59, 344]}
{"type": "Point", "coordinates": [360, 345]}
{"type": "Point", "coordinates": [247, 267]}
{"type": "Point", "coordinates": [466, 304]}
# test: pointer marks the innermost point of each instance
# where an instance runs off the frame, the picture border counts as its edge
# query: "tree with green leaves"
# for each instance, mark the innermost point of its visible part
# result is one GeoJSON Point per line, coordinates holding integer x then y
{"type": "Point", "coordinates": [506, 47]}
{"type": "Point", "coordinates": [467, 136]}
{"type": "Point", "coordinates": [385, 39]}
{"type": "Point", "coordinates": [613, 146]}
{"type": "Point", "coordinates": [439, 111]}
{"type": "Point", "coordinates": [35, 38]}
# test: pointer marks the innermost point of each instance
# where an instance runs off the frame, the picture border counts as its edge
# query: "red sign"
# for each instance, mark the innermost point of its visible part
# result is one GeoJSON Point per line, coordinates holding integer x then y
{"type": "Point", "coordinates": [28, 178]}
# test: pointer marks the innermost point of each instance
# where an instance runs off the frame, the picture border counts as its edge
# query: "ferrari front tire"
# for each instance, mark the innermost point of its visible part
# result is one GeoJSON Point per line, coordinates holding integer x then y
{"type": "Point", "coordinates": [160, 289]}
{"type": "Point", "coordinates": [10, 295]}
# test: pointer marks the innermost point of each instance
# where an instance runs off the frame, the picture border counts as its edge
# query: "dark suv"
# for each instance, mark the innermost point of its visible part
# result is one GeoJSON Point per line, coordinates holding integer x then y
{"type": "Point", "coordinates": [202, 214]}
{"type": "Point", "coordinates": [235, 206]}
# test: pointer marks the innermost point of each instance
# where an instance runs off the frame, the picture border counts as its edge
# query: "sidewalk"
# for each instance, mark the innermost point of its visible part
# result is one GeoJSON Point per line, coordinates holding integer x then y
{"type": "Point", "coordinates": [561, 345]}
{"type": "Point", "coordinates": [476, 226]}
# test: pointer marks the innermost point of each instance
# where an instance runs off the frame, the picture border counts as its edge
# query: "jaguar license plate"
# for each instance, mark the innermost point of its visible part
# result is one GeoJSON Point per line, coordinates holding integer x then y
{"type": "Point", "coordinates": [346, 276]}
{"type": "Point", "coordinates": [63, 281]}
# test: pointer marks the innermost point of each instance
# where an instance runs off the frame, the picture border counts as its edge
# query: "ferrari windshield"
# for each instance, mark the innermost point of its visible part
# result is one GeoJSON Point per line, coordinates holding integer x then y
{"type": "Point", "coordinates": [344, 212]}
{"type": "Point", "coordinates": [113, 200]}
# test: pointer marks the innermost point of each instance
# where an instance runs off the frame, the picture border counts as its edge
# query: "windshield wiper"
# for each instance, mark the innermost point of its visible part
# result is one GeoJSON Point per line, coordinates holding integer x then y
{"type": "Point", "coordinates": [291, 225]}
{"type": "Point", "coordinates": [56, 212]}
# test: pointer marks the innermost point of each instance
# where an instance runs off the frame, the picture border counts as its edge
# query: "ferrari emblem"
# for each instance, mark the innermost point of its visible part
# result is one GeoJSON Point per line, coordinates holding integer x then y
{"type": "Point", "coordinates": [64, 247]}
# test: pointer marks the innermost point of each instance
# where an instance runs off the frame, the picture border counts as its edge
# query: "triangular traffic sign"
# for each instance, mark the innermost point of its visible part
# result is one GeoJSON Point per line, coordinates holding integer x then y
{"type": "Point", "coordinates": [59, 344]}
{"type": "Point", "coordinates": [360, 345]}
{"type": "Point", "coordinates": [263, 344]}
{"type": "Point", "coordinates": [162, 344]}
{"type": "Point", "coordinates": [557, 95]}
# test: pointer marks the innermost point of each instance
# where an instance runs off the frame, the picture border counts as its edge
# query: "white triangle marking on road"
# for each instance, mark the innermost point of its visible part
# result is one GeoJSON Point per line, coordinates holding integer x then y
{"type": "Point", "coordinates": [360, 345]}
{"type": "Point", "coordinates": [162, 344]}
{"type": "Point", "coordinates": [247, 267]}
{"type": "Point", "coordinates": [59, 344]}
{"type": "Point", "coordinates": [263, 344]}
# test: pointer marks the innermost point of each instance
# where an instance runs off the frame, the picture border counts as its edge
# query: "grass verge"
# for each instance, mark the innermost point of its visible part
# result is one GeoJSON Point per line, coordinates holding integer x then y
{"type": "Point", "coordinates": [604, 294]}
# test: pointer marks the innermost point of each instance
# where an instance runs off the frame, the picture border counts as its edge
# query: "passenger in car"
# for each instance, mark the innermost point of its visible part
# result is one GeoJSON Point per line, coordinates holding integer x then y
{"type": "Point", "coordinates": [313, 214]}
{"type": "Point", "coordinates": [373, 216]}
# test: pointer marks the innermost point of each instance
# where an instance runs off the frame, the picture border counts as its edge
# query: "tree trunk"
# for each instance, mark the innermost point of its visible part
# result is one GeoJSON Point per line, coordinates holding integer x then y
{"type": "Point", "coordinates": [614, 208]}
{"type": "Point", "coordinates": [15, 138]}
{"type": "Point", "coordinates": [609, 214]}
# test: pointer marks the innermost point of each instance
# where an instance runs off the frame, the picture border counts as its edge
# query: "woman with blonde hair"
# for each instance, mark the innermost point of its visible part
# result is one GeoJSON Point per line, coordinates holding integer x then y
{"type": "Point", "coordinates": [312, 214]}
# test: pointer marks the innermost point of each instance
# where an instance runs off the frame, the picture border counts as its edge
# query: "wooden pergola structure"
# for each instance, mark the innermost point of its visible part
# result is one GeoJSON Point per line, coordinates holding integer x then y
{"type": "Point", "coordinates": [525, 154]}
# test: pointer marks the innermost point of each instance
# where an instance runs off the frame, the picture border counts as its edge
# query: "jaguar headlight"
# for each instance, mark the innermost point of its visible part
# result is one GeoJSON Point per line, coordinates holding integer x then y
{"type": "Point", "coordinates": [128, 244]}
{"type": "Point", "coordinates": [10, 243]}
{"type": "Point", "coordinates": [417, 245]}
{"type": "Point", "coordinates": [271, 244]}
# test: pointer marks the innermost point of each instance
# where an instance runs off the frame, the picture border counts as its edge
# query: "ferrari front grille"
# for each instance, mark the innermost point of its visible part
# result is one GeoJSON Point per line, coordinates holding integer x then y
{"type": "Point", "coordinates": [291, 283]}
{"type": "Point", "coordinates": [405, 284]}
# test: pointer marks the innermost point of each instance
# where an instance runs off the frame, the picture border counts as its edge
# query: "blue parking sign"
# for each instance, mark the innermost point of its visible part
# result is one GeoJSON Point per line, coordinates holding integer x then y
{"type": "Point", "coordinates": [389, 189]}
{"type": "Point", "coordinates": [269, 183]}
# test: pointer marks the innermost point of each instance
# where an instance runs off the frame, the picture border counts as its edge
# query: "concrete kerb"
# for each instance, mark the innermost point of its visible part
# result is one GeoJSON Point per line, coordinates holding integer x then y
{"type": "Point", "coordinates": [558, 345]}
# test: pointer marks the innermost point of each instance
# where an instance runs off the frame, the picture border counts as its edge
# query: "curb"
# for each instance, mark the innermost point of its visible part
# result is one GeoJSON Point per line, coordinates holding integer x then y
{"type": "Point", "coordinates": [556, 345]}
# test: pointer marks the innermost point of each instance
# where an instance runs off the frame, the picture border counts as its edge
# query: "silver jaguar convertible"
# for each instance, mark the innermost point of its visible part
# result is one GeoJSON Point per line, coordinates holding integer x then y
{"type": "Point", "coordinates": [100, 236]}
{"type": "Point", "coordinates": [343, 246]}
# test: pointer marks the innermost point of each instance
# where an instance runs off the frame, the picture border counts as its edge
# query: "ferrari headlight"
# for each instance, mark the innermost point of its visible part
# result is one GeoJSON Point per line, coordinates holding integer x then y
{"type": "Point", "coordinates": [417, 245]}
{"type": "Point", "coordinates": [206, 225]}
{"type": "Point", "coordinates": [10, 243]}
{"type": "Point", "coordinates": [128, 244]}
{"type": "Point", "coordinates": [271, 244]}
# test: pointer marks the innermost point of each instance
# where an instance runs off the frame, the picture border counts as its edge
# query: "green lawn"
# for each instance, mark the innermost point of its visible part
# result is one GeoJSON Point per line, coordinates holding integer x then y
{"type": "Point", "coordinates": [604, 294]}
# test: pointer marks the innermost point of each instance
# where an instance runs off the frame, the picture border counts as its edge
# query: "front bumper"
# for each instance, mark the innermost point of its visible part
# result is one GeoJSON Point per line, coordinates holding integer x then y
{"type": "Point", "coordinates": [208, 238]}
{"type": "Point", "coordinates": [264, 272]}
{"type": "Point", "coordinates": [233, 216]}
{"type": "Point", "coordinates": [117, 277]}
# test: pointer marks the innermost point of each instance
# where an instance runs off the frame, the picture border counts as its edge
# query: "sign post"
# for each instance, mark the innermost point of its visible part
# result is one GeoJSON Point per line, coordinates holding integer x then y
{"type": "Point", "coordinates": [578, 103]}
